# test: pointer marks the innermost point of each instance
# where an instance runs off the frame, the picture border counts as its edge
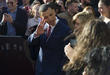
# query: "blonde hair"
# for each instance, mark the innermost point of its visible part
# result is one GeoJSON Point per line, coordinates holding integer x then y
{"type": "Point", "coordinates": [88, 8]}
{"type": "Point", "coordinates": [33, 8]}
{"type": "Point", "coordinates": [83, 17]}
{"type": "Point", "coordinates": [94, 34]}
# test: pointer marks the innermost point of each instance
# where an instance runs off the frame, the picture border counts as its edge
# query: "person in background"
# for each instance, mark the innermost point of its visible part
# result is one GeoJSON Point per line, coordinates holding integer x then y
{"type": "Point", "coordinates": [60, 2]}
{"type": "Point", "coordinates": [84, 3]}
{"type": "Point", "coordinates": [51, 40]}
{"type": "Point", "coordinates": [79, 21]}
{"type": "Point", "coordinates": [14, 21]}
{"type": "Point", "coordinates": [71, 10]}
{"type": "Point", "coordinates": [36, 2]}
{"type": "Point", "coordinates": [104, 9]}
{"type": "Point", "coordinates": [3, 7]}
{"type": "Point", "coordinates": [26, 6]}
{"type": "Point", "coordinates": [94, 34]}
{"type": "Point", "coordinates": [33, 22]}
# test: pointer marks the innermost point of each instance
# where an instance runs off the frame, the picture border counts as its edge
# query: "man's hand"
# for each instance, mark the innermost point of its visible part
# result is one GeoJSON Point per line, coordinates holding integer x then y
{"type": "Point", "coordinates": [4, 19]}
{"type": "Point", "coordinates": [40, 28]}
{"type": "Point", "coordinates": [7, 18]}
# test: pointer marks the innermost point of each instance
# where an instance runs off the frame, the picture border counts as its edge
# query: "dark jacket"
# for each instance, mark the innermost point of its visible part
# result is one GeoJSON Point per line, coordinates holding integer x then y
{"type": "Point", "coordinates": [53, 49]}
{"type": "Point", "coordinates": [20, 23]}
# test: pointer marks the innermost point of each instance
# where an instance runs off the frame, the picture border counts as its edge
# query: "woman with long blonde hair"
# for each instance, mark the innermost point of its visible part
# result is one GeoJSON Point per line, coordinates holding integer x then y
{"type": "Point", "coordinates": [94, 34]}
{"type": "Point", "coordinates": [79, 20]}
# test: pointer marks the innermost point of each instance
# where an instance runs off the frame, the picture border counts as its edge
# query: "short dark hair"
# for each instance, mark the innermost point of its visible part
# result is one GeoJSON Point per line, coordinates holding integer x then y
{"type": "Point", "coordinates": [45, 7]}
{"type": "Point", "coordinates": [54, 6]}
{"type": "Point", "coordinates": [106, 2]}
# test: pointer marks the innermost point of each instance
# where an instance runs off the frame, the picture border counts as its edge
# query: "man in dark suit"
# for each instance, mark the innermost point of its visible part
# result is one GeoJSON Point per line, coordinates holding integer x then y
{"type": "Point", "coordinates": [14, 20]}
{"type": "Point", "coordinates": [53, 57]}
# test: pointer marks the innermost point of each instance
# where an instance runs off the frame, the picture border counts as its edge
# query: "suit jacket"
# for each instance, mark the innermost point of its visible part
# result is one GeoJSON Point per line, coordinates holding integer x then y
{"type": "Point", "coordinates": [53, 49]}
{"type": "Point", "coordinates": [20, 23]}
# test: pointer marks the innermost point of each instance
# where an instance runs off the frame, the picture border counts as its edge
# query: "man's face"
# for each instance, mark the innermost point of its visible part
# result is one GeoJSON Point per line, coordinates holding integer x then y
{"type": "Point", "coordinates": [12, 4]}
{"type": "Point", "coordinates": [103, 9]}
{"type": "Point", "coordinates": [73, 8]}
{"type": "Point", "coordinates": [49, 16]}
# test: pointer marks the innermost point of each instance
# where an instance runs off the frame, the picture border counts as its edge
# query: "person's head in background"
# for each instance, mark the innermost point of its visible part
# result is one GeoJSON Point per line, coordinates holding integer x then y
{"type": "Point", "coordinates": [35, 2]}
{"type": "Point", "coordinates": [79, 20]}
{"type": "Point", "coordinates": [48, 14]}
{"type": "Point", "coordinates": [46, 1]}
{"type": "Point", "coordinates": [72, 7]}
{"type": "Point", "coordinates": [98, 61]}
{"type": "Point", "coordinates": [61, 3]}
{"type": "Point", "coordinates": [12, 5]}
{"type": "Point", "coordinates": [94, 34]}
{"type": "Point", "coordinates": [89, 9]}
{"type": "Point", "coordinates": [35, 9]}
{"type": "Point", "coordinates": [26, 2]}
{"type": "Point", "coordinates": [104, 8]}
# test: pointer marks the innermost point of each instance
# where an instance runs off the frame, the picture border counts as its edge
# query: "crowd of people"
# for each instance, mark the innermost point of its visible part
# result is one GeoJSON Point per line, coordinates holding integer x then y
{"type": "Point", "coordinates": [65, 37]}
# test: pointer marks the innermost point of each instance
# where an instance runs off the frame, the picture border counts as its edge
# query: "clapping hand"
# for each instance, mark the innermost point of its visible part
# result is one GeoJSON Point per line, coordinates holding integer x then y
{"type": "Point", "coordinates": [7, 18]}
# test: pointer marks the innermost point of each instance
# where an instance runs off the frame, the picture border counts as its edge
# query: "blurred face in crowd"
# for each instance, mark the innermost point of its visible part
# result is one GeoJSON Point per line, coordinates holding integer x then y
{"type": "Point", "coordinates": [11, 4]}
{"type": "Point", "coordinates": [25, 2]}
{"type": "Point", "coordinates": [73, 8]}
{"type": "Point", "coordinates": [77, 23]}
{"type": "Point", "coordinates": [35, 10]}
{"type": "Point", "coordinates": [60, 2]}
{"type": "Point", "coordinates": [46, 1]}
{"type": "Point", "coordinates": [104, 10]}
{"type": "Point", "coordinates": [49, 16]}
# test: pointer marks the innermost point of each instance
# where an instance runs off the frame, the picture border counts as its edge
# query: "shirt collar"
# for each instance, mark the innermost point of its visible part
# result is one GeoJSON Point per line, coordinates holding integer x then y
{"type": "Point", "coordinates": [52, 27]}
{"type": "Point", "coordinates": [57, 20]}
